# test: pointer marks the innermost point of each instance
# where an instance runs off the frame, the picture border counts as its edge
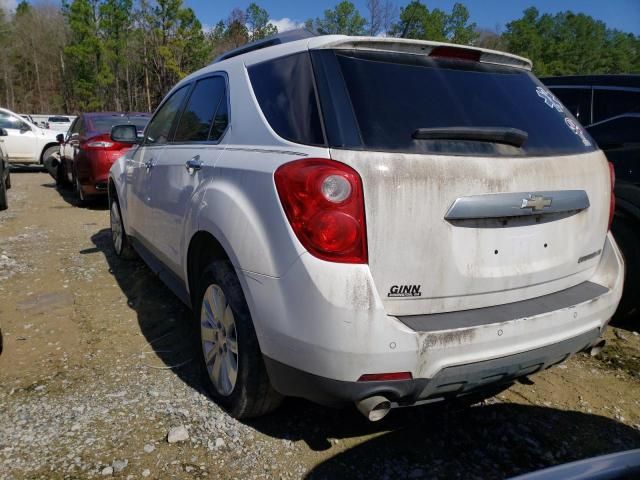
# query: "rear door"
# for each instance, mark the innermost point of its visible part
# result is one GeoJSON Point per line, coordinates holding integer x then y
{"type": "Point", "coordinates": [187, 161]}
{"type": "Point", "coordinates": [455, 221]}
{"type": "Point", "coordinates": [141, 164]}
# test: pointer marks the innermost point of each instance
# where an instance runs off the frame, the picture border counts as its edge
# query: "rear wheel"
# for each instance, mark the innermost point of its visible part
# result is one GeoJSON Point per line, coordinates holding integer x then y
{"type": "Point", "coordinates": [231, 360]}
{"type": "Point", "coordinates": [61, 175]}
{"type": "Point", "coordinates": [49, 152]}
{"type": "Point", "coordinates": [119, 239]}
{"type": "Point", "coordinates": [4, 203]}
{"type": "Point", "coordinates": [627, 235]}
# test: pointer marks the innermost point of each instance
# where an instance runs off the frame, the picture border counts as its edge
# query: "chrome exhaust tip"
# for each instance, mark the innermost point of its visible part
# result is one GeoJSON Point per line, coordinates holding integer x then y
{"type": "Point", "coordinates": [597, 347]}
{"type": "Point", "coordinates": [374, 408]}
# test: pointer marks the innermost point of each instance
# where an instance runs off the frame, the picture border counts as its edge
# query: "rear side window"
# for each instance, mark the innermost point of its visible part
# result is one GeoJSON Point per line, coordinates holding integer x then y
{"type": "Point", "coordinates": [198, 116]}
{"type": "Point", "coordinates": [612, 103]}
{"type": "Point", "coordinates": [393, 95]}
{"type": "Point", "coordinates": [158, 130]}
{"type": "Point", "coordinates": [286, 95]}
{"type": "Point", "coordinates": [577, 100]}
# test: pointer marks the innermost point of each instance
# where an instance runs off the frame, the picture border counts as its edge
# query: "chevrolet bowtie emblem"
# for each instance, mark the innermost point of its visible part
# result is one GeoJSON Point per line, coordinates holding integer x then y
{"type": "Point", "coordinates": [536, 203]}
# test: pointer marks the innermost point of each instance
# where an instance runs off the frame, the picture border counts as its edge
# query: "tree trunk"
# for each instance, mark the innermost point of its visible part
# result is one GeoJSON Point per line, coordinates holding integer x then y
{"type": "Point", "coordinates": [37, 68]}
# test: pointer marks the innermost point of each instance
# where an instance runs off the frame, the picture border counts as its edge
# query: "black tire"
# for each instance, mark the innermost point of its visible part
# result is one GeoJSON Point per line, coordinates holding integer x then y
{"type": "Point", "coordinates": [8, 182]}
{"type": "Point", "coordinates": [49, 152]}
{"type": "Point", "coordinates": [252, 395]}
{"type": "Point", "coordinates": [82, 198]}
{"type": "Point", "coordinates": [125, 249]}
{"type": "Point", "coordinates": [4, 202]}
{"type": "Point", "coordinates": [627, 235]}
{"type": "Point", "coordinates": [61, 176]}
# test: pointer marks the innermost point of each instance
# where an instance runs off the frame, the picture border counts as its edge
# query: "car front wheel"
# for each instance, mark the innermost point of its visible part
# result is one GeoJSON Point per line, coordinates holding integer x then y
{"type": "Point", "coordinates": [231, 360]}
{"type": "Point", "coordinates": [119, 239]}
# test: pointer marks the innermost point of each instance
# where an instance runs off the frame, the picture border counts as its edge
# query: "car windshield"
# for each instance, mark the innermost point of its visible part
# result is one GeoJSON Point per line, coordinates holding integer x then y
{"type": "Point", "coordinates": [106, 123]}
{"type": "Point", "coordinates": [420, 104]}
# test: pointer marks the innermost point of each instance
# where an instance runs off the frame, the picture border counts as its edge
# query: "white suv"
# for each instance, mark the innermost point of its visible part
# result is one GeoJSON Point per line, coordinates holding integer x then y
{"type": "Point", "coordinates": [380, 221]}
{"type": "Point", "coordinates": [25, 142]}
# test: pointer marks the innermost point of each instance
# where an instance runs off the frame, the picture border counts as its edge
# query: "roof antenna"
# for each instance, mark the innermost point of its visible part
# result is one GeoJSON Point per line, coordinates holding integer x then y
{"type": "Point", "coordinates": [410, 21]}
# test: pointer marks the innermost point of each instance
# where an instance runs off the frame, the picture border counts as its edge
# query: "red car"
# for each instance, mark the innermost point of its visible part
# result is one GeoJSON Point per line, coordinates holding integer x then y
{"type": "Point", "coordinates": [88, 152]}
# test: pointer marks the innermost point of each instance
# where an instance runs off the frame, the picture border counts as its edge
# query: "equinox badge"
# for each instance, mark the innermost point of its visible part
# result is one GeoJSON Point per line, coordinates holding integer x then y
{"type": "Point", "coordinates": [536, 203]}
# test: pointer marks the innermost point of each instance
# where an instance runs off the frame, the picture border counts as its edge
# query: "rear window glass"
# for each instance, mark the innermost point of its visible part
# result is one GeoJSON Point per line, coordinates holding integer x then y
{"type": "Point", "coordinates": [104, 124]}
{"type": "Point", "coordinates": [393, 95]}
{"type": "Point", "coordinates": [612, 103]}
{"type": "Point", "coordinates": [59, 119]}
{"type": "Point", "coordinates": [284, 89]}
{"type": "Point", "coordinates": [577, 100]}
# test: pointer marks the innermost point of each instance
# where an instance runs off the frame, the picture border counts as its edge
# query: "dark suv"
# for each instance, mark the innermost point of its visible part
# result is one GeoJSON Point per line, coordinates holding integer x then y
{"type": "Point", "coordinates": [609, 107]}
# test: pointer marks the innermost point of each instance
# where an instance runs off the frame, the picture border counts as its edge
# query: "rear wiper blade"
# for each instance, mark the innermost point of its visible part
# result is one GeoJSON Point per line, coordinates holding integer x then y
{"type": "Point", "coordinates": [508, 136]}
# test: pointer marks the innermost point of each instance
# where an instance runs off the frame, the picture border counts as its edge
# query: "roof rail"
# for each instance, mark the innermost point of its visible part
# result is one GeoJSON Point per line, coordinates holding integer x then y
{"type": "Point", "coordinates": [277, 39]}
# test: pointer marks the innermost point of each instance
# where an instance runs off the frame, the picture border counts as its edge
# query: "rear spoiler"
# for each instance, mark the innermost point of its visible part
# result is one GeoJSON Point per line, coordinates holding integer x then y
{"type": "Point", "coordinates": [418, 47]}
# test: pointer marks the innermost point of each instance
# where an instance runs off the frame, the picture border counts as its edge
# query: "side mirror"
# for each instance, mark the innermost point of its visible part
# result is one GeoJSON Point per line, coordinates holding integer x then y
{"type": "Point", "coordinates": [3, 133]}
{"type": "Point", "coordinates": [125, 134]}
{"type": "Point", "coordinates": [24, 127]}
{"type": "Point", "coordinates": [60, 138]}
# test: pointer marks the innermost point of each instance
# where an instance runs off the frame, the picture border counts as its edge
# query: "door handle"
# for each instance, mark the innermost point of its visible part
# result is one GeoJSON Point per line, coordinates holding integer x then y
{"type": "Point", "coordinates": [149, 164]}
{"type": "Point", "coordinates": [194, 164]}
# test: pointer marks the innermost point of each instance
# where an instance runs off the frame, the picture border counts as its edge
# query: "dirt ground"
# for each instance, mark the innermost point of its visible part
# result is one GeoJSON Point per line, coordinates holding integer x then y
{"type": "Point", "coordinates": [98, 365]}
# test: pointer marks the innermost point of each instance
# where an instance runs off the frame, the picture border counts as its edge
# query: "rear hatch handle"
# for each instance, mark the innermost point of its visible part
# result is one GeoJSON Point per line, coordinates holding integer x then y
{"type": "Point", "coordinates": [517, 204]}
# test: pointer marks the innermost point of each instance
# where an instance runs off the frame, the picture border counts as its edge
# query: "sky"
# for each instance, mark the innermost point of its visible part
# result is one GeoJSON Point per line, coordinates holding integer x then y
{"type": "Point", "coordinates": [286, 14]}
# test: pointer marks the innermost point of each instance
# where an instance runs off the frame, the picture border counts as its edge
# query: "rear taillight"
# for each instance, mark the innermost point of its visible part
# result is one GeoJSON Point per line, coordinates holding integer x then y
{"type": "Point", "coordinates": [612, 201]}
{"type": "Point", "coordinates": [324, 203]}
{"type": "Point", "coordinates": [102, 142]}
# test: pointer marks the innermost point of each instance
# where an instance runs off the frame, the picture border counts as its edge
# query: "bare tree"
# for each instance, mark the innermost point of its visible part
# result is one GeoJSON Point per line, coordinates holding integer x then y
{"type": "Point", "coordinates": [382, 14]}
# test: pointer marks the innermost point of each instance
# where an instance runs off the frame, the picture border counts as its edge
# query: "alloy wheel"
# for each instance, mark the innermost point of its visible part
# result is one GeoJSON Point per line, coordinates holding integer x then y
{"type": "Point", "coordinates": [219, 340]}
{"type": "Point", "coordinates": [116, 228]}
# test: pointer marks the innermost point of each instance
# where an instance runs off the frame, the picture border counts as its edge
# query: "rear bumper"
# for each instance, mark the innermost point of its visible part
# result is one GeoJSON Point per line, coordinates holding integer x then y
{"type": "Point", "coordinates": [324, 325]}
{"type": "Point", "coordinates": [93, 170]}
{"type": "Point", "coordinates": [448, 383]}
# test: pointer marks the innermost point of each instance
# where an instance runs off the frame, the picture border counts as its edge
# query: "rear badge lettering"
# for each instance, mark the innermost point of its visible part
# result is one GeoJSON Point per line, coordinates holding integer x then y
{"type": "Point", "coordinates": [590, 256]}
{"type": "Point", "coordinates": [405, 291]}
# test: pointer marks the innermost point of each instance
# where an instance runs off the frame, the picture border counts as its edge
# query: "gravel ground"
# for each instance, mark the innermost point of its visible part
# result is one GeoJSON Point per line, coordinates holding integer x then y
{"type": "Point", "coordinates": [98, 379]}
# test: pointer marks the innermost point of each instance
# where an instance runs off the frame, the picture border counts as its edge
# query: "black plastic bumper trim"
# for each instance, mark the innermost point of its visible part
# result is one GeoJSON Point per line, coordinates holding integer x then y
{"type": "Point", "coordinates": [503, 313]}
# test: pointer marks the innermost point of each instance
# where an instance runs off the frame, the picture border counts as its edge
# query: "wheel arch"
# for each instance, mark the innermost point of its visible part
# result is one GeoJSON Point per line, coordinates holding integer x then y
{"type": "Point", "coordinates": [204, 248]}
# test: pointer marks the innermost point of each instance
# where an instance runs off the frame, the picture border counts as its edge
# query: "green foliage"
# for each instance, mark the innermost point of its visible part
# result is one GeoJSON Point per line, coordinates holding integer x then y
{"type": "Point", "coordinates": [344, 19]}
{"type": "Point", "coordinates": [567, 43]}
{"type": "Point", "coordinates": [416, 21]}
{"type": "Point", "coordinates": [258, 23]}
{"type": "Point", "coordinates": [84, 54]}
{"type": "Point", "coordinates": [126, 54]}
